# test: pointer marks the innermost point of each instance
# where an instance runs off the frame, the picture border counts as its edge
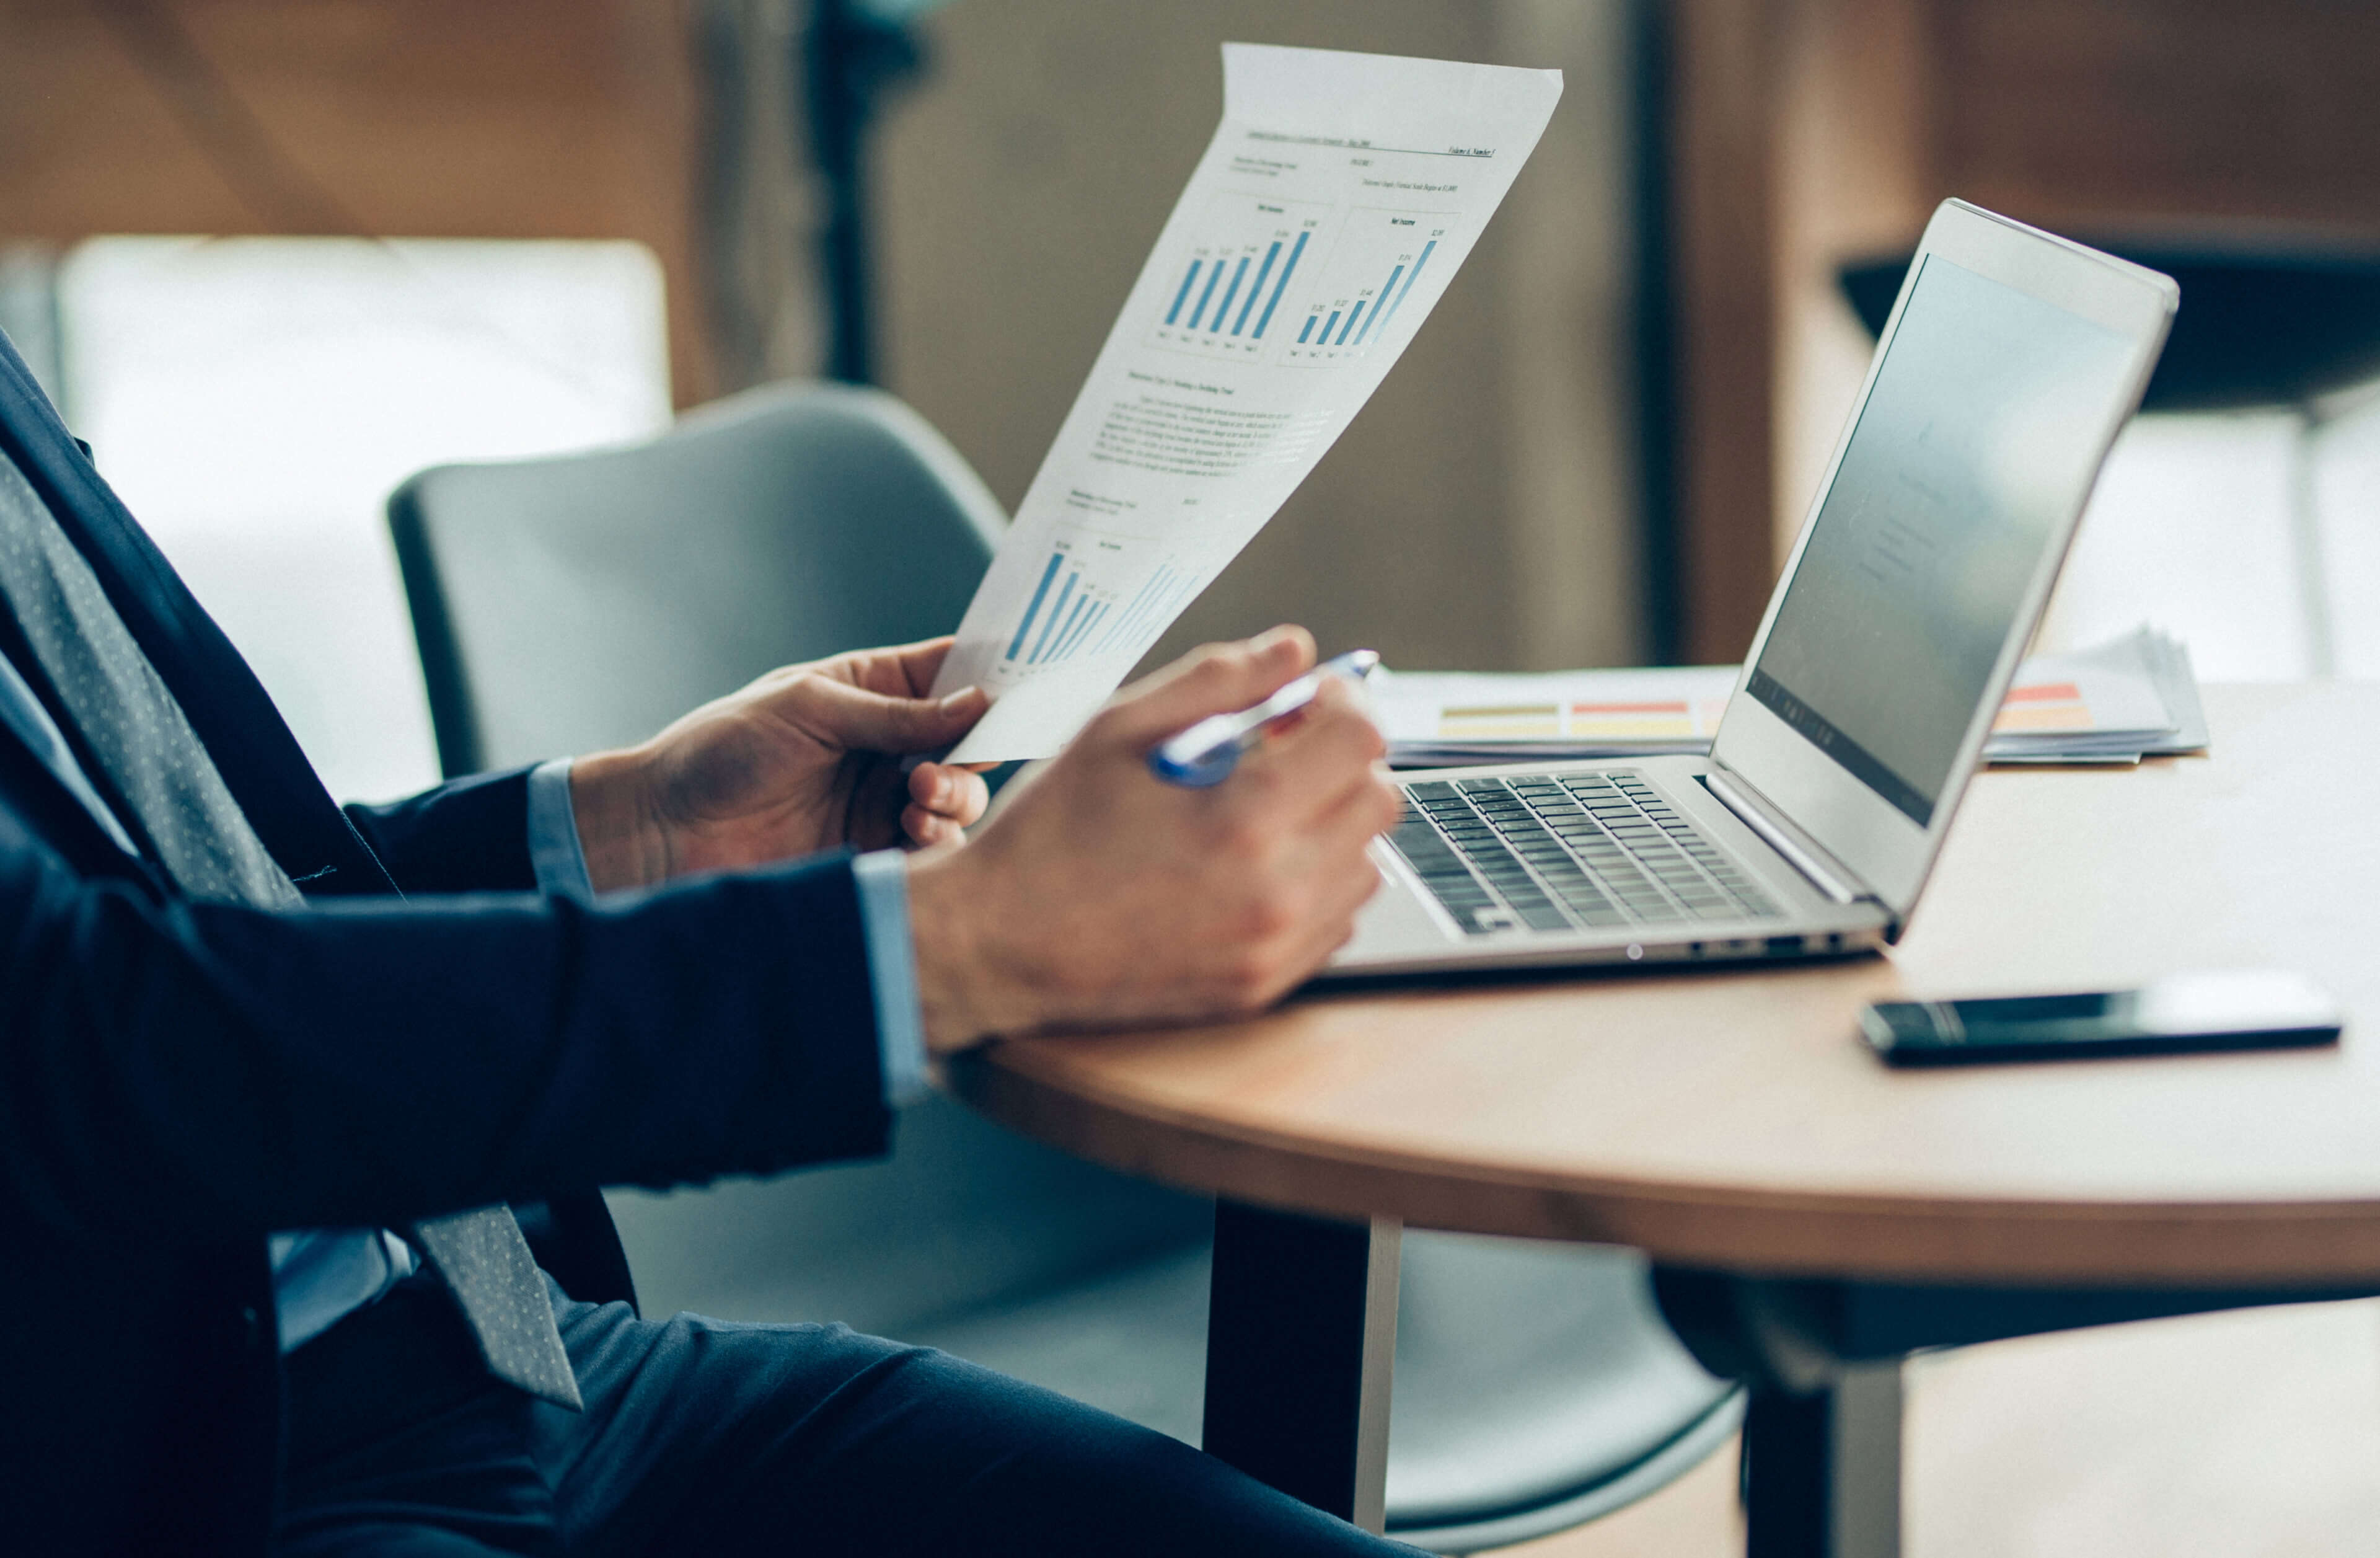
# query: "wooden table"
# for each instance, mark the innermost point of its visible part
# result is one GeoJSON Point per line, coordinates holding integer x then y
{"type": "Point", "coordinates": [1815, 1215]}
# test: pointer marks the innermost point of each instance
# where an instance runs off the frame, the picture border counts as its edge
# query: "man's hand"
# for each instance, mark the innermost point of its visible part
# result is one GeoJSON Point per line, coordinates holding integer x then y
{"type": "Point", "coordinates": [806, 759]}
{"type": "Point", "coordinates": [1101, 895]}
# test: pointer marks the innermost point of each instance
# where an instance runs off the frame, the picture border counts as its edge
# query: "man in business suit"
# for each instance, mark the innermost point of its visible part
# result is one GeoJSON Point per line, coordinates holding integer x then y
{"type": "Point", "coordinates": [268, 1083]}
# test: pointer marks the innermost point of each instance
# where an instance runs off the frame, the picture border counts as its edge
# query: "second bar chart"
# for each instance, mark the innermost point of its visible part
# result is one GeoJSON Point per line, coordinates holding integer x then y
{"type": "Point", "coordinates": [1350, 305]}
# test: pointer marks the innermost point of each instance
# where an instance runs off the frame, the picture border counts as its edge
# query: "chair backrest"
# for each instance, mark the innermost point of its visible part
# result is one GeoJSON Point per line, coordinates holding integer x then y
{"type": "Point", "coordinates": [571, 603]}
{"type": "Point", "coordinates": [583, 602]}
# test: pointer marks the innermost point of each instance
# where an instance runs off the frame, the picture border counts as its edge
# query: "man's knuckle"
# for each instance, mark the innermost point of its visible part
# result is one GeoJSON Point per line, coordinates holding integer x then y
{"type": "Point", "coordinates": [1244, 841]}
{"type": "Point", "coordinates": [1264, 919]}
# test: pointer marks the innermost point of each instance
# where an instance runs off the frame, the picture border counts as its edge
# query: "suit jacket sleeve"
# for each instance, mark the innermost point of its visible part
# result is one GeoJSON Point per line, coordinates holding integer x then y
{"type": "Point", "coordinates": [193, 1071]}
{"type": "Point", "coordinates": [468, 836]}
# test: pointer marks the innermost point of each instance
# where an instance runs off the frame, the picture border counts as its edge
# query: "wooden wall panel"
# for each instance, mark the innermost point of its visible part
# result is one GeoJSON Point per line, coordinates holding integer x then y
{"type": "Point", "coordinates": [1725, 84]}
{"type": "Point", "coordinates": [2163, 109]}
{"type": "Point", "coordinates": [452, 118]}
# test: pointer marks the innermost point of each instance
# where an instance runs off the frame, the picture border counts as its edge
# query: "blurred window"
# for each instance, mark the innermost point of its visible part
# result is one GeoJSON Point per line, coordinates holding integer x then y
{"type": "Point", "coordinates": [254, 401]}
{"type": "Point", "coordinates": [2193, 528]}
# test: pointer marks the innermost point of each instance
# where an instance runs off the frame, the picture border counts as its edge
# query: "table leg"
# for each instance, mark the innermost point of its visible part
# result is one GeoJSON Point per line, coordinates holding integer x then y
{"type": "Point", "coordinates": [1301, 1342]}
{"type": "Point", "coordinates": [1822, 1470]}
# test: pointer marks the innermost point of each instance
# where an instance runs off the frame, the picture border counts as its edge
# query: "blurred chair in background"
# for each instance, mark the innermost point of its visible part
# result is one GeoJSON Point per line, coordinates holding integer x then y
{"type": "Point", "coordinates": [573, 604]}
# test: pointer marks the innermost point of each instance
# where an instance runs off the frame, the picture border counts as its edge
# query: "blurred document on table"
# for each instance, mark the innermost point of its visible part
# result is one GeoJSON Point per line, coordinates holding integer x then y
{"type": "Point", "coordinates": [1434, 718]}
{"type": "Point", "coordinates": [2117, 703]}
{"type": "Point", "coordinates": [1338, 197]}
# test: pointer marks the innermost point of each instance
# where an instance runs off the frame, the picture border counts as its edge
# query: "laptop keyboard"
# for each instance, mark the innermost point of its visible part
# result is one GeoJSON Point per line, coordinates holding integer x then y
{"type": "Point", "coordinates": [1567, 852]}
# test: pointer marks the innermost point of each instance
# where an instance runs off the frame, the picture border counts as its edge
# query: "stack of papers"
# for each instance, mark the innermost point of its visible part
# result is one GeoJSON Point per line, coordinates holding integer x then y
{"type": "Point", "coordinates": [2118, 702]}
{"type": "Point", "coordinates": [2115, 703]}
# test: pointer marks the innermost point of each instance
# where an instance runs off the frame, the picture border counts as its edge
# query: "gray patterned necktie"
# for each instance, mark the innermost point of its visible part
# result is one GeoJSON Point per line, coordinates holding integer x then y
{"type": "Point", "coordinates": [144, 743]}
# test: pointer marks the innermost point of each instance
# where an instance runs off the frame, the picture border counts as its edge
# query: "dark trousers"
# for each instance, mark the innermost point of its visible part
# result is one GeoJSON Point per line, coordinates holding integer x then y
{"type": "Point", "coordinates": [703, 1437]}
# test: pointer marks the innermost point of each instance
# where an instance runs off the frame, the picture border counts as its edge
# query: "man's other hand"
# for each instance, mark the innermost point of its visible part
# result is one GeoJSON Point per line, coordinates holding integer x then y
{"type": "Point", "coordinates": [1102, 897]}
{"type": "Point", "coordinates": [808, 758]}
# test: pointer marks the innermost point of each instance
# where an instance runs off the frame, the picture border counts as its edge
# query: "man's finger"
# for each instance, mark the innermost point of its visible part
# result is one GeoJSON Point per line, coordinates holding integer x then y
{"type": "Point", "coordinates": [1332, 746]}
{"type": "Point", "coordinates": [859, 720]}
{"type": "Point", "coordinates": [1218, 679]}
{"type": "Point", "coordinates": [949, 790]}
{"type": "Point", "coordinates": [1354, 816]}
{"type": "Point", "coordinates": [1327, 926]}
{"type": "Point", "coordinates": [927, 829]}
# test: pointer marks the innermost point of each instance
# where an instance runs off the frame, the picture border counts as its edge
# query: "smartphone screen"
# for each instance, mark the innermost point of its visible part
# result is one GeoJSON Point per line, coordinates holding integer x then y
{"type": "Point", "coordinates": [2187, 1012]}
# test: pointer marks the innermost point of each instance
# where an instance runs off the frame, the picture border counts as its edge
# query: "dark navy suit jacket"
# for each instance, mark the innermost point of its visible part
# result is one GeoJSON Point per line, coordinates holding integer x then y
{"type": "Point", "coordinates": [178, 1079]}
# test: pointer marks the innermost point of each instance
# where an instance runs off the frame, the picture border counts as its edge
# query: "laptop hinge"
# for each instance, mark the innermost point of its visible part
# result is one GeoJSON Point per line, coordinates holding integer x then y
{"type": "Point", "coordinates": [1825, 873]}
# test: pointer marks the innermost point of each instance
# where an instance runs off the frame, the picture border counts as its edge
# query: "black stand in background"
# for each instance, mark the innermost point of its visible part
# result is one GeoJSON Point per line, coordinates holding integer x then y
{"type": "Point", "coordinates": [850, 58]}
{"type": "Point", "coordinates": [1302, 1339]}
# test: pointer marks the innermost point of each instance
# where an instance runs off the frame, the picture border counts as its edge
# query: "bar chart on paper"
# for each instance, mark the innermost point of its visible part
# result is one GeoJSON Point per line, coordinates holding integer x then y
{"type": "Point", "coordinates": [1097, 596]}
{"type": "Point", "coordinates": [1222, 298]}
{"type": "Point", "coordinates": [1351, 305]}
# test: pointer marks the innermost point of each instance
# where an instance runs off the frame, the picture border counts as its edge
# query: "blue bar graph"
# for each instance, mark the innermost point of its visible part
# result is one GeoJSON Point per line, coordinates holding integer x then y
{"type": "Point", "coordinates": [1049, 622]}
{"type": "Point", "coordinates": [1066, 629]}
{"type": "Point", "coordinates": [1175, 312]}
{"type": "Point", "coordinates": [1238, 275]}
{"type": "Point", "coordinates": [1329, 325]}
{"type": "Point", "coordinates": [1302, 335]}
{"type": "Point", "coordinates": [1072, 640]}
{"type": "Point", "coordinates": [1034, 610]}
{"type": "Point", "coordinates": [1262, 271]}
{"type": "Point", "coordinates": [1134, 608]}
{"type": "Point", "coordinates": [1132, 613]}
{"type": "Point", "coordinates": [1351, 324]}
{"type": "Point", "coordinates": [1212, 277]}
{"type": "Point", "coordinates": [1407, 290]}
{"type": "Point", "coordinates": [1066, 634]}
{"type": "Point", "coordinates": [1384, 295]}
{"type": "Point", "coordinates": [1279, 286]}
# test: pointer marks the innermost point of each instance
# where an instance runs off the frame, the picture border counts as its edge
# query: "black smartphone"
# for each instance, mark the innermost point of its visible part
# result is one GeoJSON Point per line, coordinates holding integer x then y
{"type": "Point", "coordinates": [2258, 1010]}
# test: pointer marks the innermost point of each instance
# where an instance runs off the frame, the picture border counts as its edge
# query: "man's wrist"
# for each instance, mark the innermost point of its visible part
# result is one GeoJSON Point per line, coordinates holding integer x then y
{"type": "Point", "coordinates": [622, 845]}
{"type": "Point", "coordinates": [956, 984]}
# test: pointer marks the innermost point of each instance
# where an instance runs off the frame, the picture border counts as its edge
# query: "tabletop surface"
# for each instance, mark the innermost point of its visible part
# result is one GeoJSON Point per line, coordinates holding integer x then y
{"type": "Point", "coordinates": [1732, 1118]}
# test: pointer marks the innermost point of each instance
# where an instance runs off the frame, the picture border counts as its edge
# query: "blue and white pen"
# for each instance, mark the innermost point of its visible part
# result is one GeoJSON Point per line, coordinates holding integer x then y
{"type": "Point", "coordinates": [1207, 752]}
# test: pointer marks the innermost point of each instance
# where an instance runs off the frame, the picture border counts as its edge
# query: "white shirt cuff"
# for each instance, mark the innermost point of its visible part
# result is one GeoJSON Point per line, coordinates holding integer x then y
{"type": "Point", "coordinates": [883, 880]}
{"type": "Point", "coordinates": [554, 853]}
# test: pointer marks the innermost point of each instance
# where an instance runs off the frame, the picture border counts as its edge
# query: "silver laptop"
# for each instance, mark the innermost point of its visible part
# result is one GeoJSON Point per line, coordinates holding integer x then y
{"type": "Point", "coordinates": [2011, 360]}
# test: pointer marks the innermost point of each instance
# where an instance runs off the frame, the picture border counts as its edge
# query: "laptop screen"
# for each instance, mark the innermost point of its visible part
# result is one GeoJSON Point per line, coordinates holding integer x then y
{"type": "Point", "coordinates": [1978, 439]}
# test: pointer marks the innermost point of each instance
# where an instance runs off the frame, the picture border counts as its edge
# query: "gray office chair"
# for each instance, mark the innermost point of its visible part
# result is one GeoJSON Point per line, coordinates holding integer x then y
{"type": "Point", "coordinates": [583, 602]}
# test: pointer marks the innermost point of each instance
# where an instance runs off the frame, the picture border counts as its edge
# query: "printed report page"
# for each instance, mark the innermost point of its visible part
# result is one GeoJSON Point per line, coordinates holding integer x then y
{"type": "Point", "coordinates": [1338, 197]}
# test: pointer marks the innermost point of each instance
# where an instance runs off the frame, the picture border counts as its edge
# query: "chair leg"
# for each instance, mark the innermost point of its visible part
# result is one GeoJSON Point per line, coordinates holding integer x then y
{"type": "Point", "coordinates": [1301, 1344]}
{"type": "Point", "coordinates": [1822, 1471]}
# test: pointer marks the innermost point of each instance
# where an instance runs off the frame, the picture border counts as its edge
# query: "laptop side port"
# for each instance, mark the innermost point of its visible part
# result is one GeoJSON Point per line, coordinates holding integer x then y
{"type": "Point", "coordinates": [1789, 946]}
